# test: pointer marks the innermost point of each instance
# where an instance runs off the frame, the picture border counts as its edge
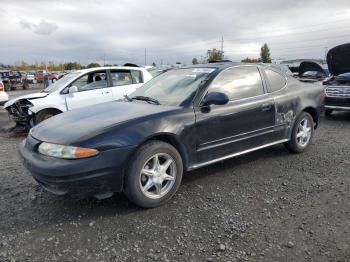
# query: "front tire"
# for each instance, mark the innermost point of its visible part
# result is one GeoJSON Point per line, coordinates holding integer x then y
{"type": "Point", "coordinates": [45, 114]}
{"type": "Point", "coordinates": [302, 133]}
{"type": "Point", "coordinates": [154, 174]}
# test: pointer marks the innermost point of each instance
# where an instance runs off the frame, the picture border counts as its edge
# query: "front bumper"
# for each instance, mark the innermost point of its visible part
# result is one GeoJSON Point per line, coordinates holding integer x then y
{"type": "Point", "coordinates": [336, 103]}
{"type": "Point", "coordinates": [80, 178]}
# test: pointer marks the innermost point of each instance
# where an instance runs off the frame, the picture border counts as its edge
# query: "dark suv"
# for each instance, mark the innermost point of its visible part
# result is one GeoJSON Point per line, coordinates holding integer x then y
{"type": "Point", "coordinates": [181, 120]}
{"type": "Point", "coordinates": [338, 86]}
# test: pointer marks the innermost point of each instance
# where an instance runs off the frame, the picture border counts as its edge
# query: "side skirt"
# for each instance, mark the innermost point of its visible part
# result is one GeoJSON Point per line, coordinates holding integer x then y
{"type": "Point", "coordinates": [236, 154]}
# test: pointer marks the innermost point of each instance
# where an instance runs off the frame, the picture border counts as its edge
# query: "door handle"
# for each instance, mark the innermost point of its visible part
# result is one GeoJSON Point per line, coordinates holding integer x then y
{"type": "Point", "coordinates": [266, 106]}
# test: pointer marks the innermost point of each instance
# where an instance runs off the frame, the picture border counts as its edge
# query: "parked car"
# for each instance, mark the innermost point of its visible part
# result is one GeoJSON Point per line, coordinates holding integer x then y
{"type": "Point", "coordinates": [3, 95]}
{"type": "Point", "coordinates": [5, 76]}
{"type": "Point", "coordinates": [311, 72]}
{"type": "Point", "coordinates": [30, 78]}
{"type": "Point", "coordinates": [78, 89]}
{"type": "Point", "coordinates": [338, 86]}
{"type": "Point", "coordinates": [181, 120]}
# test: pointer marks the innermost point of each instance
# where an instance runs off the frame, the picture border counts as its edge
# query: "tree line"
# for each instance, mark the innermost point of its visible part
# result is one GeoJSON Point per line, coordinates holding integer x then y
{"type": "Point", "coordinates": [51, 66]}
{"type": "Point", "coordinates": [218, 55]}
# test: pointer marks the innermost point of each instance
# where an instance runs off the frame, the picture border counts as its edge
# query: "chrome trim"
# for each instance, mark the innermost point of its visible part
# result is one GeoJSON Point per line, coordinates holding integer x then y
{"type": "Point", "coordinates": [237, 154]}
{"type": "Point", "coordinates": [338, 91]}
{"type": "Point", "coordinates": [338, 107]}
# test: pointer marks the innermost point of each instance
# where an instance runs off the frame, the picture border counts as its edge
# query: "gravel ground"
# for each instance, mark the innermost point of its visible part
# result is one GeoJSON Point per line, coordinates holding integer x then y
{"type": "Point", "coordinates": [265, 206]}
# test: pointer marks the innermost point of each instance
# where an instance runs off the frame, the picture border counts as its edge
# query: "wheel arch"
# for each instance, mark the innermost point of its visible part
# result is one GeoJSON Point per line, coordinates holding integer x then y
{"type": "Point", "coordinates": [50, 109]}
{"type": "Point", "coordinates": [173, 140]}
{"type": "Point", "coordinates": [315, 115]}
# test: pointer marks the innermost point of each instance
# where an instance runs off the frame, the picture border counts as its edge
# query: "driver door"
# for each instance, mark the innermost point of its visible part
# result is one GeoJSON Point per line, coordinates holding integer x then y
{"type": "Point", "coordinates": [92, 88]}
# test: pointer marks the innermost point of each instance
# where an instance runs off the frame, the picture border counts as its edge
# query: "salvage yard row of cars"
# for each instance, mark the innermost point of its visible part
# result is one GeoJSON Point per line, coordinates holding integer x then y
{"type": "Point", "coordinates": [181, 120]}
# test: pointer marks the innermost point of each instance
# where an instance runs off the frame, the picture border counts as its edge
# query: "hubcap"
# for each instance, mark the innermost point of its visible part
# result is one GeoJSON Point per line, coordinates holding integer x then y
{"type": "Point", "coordinates": [158, 175]}
{"type": "Point", "coordinates": [304, 132]}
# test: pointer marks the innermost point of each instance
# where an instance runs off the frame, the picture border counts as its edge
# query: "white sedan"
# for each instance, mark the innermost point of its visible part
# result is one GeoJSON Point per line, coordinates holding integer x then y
{"type": "Point", "coordinates": [78, 89]}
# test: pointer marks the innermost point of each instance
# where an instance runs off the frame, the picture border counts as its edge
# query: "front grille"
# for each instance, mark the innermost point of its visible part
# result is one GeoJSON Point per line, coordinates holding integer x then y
{"type": "Point", "coordinates": [338, 91]}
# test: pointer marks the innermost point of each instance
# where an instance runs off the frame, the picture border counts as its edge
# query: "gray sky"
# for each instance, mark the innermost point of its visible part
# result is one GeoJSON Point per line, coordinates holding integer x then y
{"type": "Point", "coordinates": [119, 31]}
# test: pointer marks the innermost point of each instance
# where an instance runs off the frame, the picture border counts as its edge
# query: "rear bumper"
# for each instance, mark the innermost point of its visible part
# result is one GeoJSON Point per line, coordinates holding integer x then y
{"type": "Point", "coordinates": [103, 173]}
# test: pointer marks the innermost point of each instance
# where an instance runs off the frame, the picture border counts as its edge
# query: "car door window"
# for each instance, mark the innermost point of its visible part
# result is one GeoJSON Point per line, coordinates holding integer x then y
{"type": "Point", "coordinates": [136, 76]}
{"type": "Point", "coordinates": [121, 77]}
{"type": "Point", "coordinates": [276, 81]}
{"type": "Point", "coordinates": [239, 83]}
{"type": "Point", "coordinates": [91, 81]}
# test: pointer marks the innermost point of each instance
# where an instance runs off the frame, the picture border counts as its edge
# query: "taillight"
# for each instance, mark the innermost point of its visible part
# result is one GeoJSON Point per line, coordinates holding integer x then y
{"type": "Point", "coordinates": [2, 87]}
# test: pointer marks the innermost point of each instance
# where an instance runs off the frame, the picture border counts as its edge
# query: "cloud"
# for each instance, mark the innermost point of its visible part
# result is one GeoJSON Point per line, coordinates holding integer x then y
{"type": "Point", "coordinates": [43, 28]}
{"type": "Point", "coordinates": [171, 31]}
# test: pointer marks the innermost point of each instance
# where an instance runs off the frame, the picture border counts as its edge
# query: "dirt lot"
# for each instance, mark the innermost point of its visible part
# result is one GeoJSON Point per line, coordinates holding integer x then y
{"type": "Point", "coordinates": [266, 206]}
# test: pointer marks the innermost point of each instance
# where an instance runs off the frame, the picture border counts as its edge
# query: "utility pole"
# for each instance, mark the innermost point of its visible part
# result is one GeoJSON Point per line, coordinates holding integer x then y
{"type": "Point", "coordinates": [325, 53]}
{"type": "Point", "coordinates": [145, 56]}
{"type": "Point", "coordinates": [222, 46]}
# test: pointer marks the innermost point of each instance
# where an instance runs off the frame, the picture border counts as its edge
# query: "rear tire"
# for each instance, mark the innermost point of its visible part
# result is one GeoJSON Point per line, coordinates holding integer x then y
{"type": "Point", "coordinates": [45, 114]}
{"type": "Point", "coordinates": [302, 134]}
{"type": "Point", "coordinates": [154, 174]}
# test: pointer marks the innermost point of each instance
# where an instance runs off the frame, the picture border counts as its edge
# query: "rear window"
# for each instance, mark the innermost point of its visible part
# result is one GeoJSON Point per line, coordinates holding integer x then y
{"type": "Point", "coordinates": [275, 80]}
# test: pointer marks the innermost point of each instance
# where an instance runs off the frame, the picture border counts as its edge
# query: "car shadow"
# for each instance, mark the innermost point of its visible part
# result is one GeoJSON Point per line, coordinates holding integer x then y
{"type": "Point", "coordinates": [343, 116]}
{"type": "Point", "coordinates": [65, 209]}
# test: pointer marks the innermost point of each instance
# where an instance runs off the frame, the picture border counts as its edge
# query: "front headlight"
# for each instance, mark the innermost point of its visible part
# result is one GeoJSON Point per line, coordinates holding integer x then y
{"type": "Point", "coordinates": [66, 152]}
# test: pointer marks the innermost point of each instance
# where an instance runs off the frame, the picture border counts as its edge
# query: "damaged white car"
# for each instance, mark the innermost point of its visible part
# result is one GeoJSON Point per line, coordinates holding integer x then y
{"type": "Point", "coordinates": [78, 89]}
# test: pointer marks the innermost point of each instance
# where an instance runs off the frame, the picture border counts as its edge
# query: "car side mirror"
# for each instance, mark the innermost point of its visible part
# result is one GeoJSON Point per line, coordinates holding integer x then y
{"type": "Point", "coordinates": [73, 89]}
{"type": "Point", "coordinates": [215, 98]}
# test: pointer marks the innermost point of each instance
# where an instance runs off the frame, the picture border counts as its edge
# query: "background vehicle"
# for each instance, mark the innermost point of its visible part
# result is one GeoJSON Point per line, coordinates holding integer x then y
{"type": "Point", "coordinates": [338, 86]}
{"type": "Point", "coordinates": [3, 95]}
{"type": "Point", "coordinates": [179, 121]}
{"type": "Point", "coordinates": [311, 72]}
{"type": "Point", "coordinates": [5, 76]}
{"type": "Point", "coordinates": [31, 77]}
{"type": "Point", "coordinates": [78, 89]}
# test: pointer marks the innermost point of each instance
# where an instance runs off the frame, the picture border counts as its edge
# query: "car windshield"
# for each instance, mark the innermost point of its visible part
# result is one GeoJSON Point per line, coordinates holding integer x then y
{"type": "Point", "coordinates": [173, 87]}
{"type": "Point", "coordinates": [61, 82]}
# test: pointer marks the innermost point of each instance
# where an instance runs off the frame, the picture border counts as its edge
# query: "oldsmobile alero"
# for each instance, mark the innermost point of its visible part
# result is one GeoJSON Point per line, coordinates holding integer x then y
{"type": "Point", "coordinates": [179, 121]}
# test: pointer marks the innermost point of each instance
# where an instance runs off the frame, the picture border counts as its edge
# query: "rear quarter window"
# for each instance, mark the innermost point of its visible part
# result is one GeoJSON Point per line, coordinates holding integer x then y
{"type": "Point", "coordinates": [276, 81]}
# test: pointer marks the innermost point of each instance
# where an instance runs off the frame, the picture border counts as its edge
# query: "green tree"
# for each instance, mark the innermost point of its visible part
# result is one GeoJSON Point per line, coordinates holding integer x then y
{"type": "Point", "coordinates": [215, 55]}
{"type": "Point", "coordinates": [194, 61]}
{"type": "Point", "coordinates": [93, 64]}
{"type": "Point", "coordinates": [72, 66]}
{"type": "Point", "coordinates": [250, 60]}
{"type": "Point", "coordinates": [265, 55]}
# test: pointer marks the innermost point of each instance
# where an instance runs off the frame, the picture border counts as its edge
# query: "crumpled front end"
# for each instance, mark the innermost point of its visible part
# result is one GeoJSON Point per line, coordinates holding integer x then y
{"type": "Point", "coordinates": [20, 112]}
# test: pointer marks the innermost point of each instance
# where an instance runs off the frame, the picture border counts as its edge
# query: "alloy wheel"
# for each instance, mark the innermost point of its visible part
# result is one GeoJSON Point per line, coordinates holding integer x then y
{"type": "Point", "coordinates": [304, 132]}
{"type": "Point", "coordinates": [158, 175]}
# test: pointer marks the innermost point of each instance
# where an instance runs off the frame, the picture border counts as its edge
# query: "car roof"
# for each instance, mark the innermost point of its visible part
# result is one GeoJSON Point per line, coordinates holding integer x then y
{"type": "Point", "coordinates": [88, 70]}
{"type": "Point", "coordinates": [223, 65]}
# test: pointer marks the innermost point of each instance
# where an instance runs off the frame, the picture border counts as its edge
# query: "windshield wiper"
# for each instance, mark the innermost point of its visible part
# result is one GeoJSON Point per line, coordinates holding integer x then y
{"type": "Point", "coordinates": [147, 99]}
{"type": "Point", "coordinates": [128, 98]}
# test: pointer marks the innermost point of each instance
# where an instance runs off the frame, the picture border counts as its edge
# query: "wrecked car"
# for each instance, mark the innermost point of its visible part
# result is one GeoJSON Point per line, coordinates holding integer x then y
{"type": "Point", "coordinates": [311, 72]}
{"type": "Point", "coordinates": [181, 120]}
{"type": "Point", "coordinates": [338, 85]}
{"type": "Point", "coordinates": [78, 89]}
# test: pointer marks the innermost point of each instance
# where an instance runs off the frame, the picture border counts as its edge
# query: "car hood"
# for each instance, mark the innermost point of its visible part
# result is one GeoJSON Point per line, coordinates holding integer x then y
{"type": "Point", "coordinates": [309, 66]}
{"type": "Point", "coordinates": [78, 125]}
{"type": "Point", "coordinates": [338, 59]}
{"type": "Point", "coordinates": [30, 96]}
